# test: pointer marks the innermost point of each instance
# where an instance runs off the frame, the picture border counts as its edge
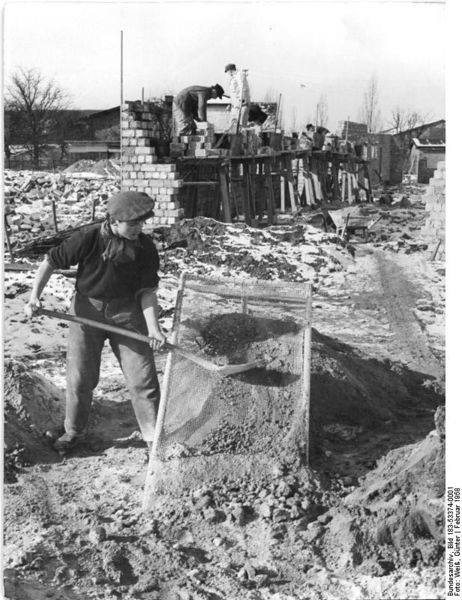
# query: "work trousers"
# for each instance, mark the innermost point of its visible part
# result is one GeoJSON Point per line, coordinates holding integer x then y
{"type": "Point", "coordinates": [136, 360]}
{"type": "Point", "coordinates": [238, 115]}
{"type": "Point", "coordinates": [183, 124]}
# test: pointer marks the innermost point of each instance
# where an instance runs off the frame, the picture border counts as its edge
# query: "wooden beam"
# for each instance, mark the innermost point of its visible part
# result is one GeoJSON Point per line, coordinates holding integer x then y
{"type": "Point", "coordinates": [269, 192]}
{"type": "Point", "coordinates": [200, 183]}
{"type": "Point", "coordinates": [55, 221]}
{"type": "Point", "coordinates": [251, 180]}
{"type": "Point", "coordinates": [246, 194]}
{"type": "Point", "coordinates": [290, 181]}
{"type": "Point", "coordinates": [224, 191]}
{"type": "Point", "coordinates": [335, 176]}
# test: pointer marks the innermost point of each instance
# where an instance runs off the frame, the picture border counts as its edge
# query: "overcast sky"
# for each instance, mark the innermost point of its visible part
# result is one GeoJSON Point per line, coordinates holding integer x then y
{"type": "Point", "coordinates": [301, 50]}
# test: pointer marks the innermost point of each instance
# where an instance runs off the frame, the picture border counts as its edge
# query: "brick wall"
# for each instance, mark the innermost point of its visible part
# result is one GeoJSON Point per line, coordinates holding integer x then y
{"type": "Point", "coordinates": [435, 205]}
{"type": "Point", "coordinates": [141, 169]}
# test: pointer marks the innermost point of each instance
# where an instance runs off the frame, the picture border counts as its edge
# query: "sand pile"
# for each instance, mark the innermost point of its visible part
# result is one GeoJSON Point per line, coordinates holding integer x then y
{"type": "Point", "coordinates": [32, 405]}
{"type": "Point", "coordinates": [103, 168]}
{"type": "Point", "coordinates": [396, 517]}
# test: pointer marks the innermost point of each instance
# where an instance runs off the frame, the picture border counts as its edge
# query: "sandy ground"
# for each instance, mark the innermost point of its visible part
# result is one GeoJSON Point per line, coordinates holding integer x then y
{"type": "Point", "coordinates": [363, 520]}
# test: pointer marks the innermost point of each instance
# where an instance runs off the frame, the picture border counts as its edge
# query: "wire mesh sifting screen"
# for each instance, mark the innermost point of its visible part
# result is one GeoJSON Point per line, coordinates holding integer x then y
{"type": "Point", "coordinates": [210, 426]}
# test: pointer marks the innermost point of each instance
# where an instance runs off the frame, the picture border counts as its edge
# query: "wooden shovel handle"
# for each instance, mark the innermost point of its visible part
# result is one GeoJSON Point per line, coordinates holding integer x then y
{"type": "Point", "coordinates": [131, 334]}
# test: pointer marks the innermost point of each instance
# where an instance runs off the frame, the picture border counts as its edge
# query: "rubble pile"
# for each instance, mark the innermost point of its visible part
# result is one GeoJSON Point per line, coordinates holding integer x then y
{"type": "Point", "coordinates": [108, 168]}
{"type": "Point", "coordinates": [291, 253]}
{"type": "Point", "coordinates": [29, 197]}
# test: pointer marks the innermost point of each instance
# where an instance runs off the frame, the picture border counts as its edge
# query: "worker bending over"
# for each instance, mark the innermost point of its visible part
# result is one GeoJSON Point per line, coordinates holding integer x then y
{"type": "Point", "coordinates": [190, 105]}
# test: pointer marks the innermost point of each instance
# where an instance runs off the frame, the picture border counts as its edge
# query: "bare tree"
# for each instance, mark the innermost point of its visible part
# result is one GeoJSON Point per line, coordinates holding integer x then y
{"type": "Point", "coordinates": [408, 124]}
{"type": "Point", "coordinates": [322, 111]}
{"type": "Point", "coordinates": [403, 119]}
{"type": "Point", "coordinates": [370, 112]}
{"type": "Point", "coordinates": [37, 103]}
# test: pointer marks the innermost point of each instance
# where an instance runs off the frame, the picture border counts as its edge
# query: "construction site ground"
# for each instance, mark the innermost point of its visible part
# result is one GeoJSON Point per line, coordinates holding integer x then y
{"type": "Point", "coordinates": [364, 520]}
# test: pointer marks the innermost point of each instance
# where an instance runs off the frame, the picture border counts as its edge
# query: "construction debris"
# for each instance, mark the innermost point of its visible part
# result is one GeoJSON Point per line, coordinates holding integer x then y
{"type": "Point", "coordinates": [364, 519]}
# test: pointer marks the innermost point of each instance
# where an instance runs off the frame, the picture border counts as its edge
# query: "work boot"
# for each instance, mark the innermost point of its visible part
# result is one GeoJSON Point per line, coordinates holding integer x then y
{"type": "Point", "coordinates": [66, 442]}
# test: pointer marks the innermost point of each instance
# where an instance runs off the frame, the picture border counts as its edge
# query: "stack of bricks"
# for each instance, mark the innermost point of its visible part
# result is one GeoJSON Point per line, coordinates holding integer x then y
{"type": "Point", "coordinates": [197, 145]}
{"type": "Point", "coordinates": [435, 206]}
{"type": "Point", "coordinates": [141, 171]}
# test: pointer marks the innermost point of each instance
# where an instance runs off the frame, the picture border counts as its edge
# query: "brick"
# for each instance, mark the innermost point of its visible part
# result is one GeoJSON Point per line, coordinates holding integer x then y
{"type": "Point", "coordinates": [148, 167]}
{"type": "Point", "coordinates": [204, 125]}
{"type": "Point", "coordinates": [144, 142]}
{"type": "Point", "coordinates": [151, 159]}
{"type": "Point", "coordinates": [167, 167]}
{"type": "Point", "coordinates": [200, 153]}
{"type": "Point", "coordinates": [128, 133]}
{"type": "Point", "coordinates": [199, 138]}
{"type": "Point", "coordinates": [143, 150]}
{"type": "Point", "coordinates": [142, 133]}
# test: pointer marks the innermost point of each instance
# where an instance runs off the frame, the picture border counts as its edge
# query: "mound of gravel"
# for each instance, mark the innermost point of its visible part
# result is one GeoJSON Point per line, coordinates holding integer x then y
{"type": "Point", "coordinates": [32, 405]}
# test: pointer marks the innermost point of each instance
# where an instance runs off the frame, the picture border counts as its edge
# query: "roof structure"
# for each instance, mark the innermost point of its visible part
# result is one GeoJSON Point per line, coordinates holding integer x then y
{"type": "Point", "coordinates": [427, 144]}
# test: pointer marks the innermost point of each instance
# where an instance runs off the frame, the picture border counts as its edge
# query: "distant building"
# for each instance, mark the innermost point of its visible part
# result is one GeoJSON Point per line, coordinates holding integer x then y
{"type": "Point", "coordinates": [352, 131]}
{"type": "Point", "coordinates": [414, 151]}
{"type": "Point", "coordinates": [424, 159]}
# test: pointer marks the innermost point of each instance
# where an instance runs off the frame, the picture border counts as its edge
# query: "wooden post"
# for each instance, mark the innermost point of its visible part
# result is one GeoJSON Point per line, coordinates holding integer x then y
{"type": "Point", "coordinates": [165, 388]}
{"type": "Point", "coordinates": [251, 184]}
{"type": "Point", "coordinates": [283, 193]}
{"type": "Point", "coordinates": [55, 221]}
{"type": "Point", "coordinates": [269, 191]}
{"type": "Point", "coordinates": [368, 187]}
{"type": "Point", "coordinates": [7, 235]}
{"type": "Point", "coordinates": [224, 194]}
{"type": "Point", "coordinates": [343, 184]}
{"type": "Point", "coordinates": [335, 180]}
{"type": "Point", "coordinates": [306, 391]}
{"type": "Point", "coordinates": [290, 181]}
{"type": "Point", "coordinates": [93, 208]}
{"type": "Point", "coordinates": [246, 194]}
{"type": "Point", "coordinates": [121, 103]}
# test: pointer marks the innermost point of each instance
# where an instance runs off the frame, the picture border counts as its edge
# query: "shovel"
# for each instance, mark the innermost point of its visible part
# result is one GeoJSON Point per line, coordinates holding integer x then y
{"type": "Point", "coordinates": [205, 364]}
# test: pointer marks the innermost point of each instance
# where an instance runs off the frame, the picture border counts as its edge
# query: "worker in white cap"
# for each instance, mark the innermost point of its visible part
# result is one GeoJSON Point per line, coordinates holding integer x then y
{"type": "Point", "coordinates": [239, 93]}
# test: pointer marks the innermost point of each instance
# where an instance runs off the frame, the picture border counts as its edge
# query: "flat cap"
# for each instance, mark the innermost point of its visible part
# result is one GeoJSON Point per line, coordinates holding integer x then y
{"type": "Point", "coordinates": [230, 67]}
{"type": "Point", "coordinates": [128, 206]}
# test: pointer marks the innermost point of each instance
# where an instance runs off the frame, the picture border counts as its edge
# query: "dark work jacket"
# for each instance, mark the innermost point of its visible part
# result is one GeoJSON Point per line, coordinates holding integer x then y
{"type": "Point", "coordinates": [193, 101]}
{"type": "Point", "coordinates": [102, 279]}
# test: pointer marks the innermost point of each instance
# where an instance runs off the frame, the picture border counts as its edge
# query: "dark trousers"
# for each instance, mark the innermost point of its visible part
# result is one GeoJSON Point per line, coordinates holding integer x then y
{"type": "Point", "coordinates": [136, 360]}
